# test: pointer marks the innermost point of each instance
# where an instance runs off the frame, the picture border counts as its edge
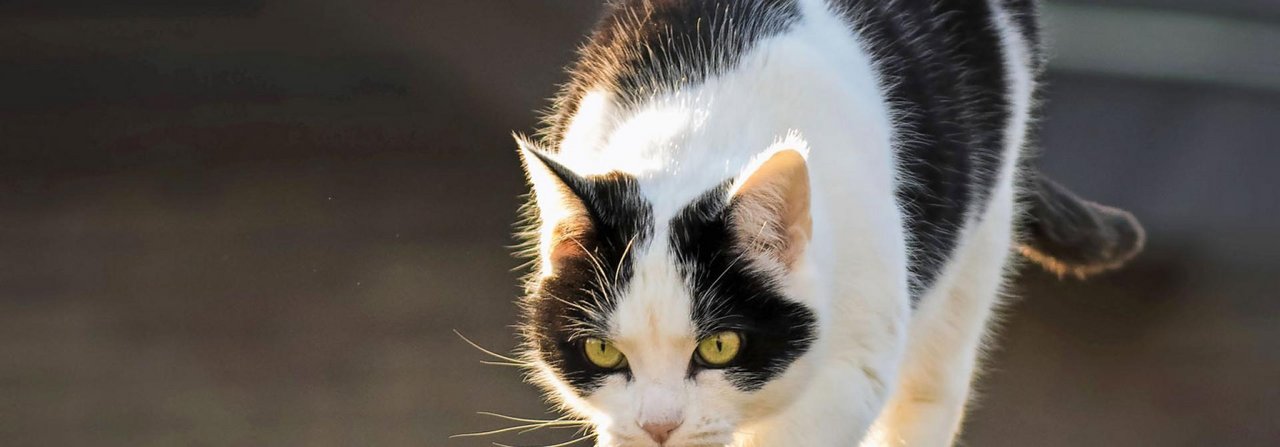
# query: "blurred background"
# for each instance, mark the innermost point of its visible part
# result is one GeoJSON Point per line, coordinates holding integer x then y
{"type": "Point", "coordinates": [259, 222]}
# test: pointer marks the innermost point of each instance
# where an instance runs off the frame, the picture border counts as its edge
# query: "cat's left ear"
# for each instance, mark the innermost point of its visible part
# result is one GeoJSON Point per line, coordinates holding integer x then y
{"type": "Point", "coordinates": [769, 207]}
{"type": "Point", "coordinates": [558, 194]}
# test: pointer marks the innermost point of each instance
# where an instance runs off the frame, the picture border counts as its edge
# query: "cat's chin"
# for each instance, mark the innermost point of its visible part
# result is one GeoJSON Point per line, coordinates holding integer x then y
{"type": "Point", "coordinates": [727, 443]}
{"type": "Point", "coordinates": [705, 439]}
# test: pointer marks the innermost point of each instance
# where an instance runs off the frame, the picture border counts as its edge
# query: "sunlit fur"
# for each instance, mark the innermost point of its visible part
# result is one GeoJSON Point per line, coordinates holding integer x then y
{"type": "Point", "coordinates": [814, 89]}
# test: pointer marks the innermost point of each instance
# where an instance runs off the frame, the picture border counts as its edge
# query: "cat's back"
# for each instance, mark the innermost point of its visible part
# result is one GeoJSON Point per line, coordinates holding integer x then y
{"type": "Point", "coordinates": [642, 48]}
{"type": "Point", "coordinates": [932, 86]}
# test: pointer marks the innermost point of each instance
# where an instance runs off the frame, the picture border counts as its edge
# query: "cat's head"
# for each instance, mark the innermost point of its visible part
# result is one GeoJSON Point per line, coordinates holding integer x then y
{"type": "Point", "coordinates": [674, 327]}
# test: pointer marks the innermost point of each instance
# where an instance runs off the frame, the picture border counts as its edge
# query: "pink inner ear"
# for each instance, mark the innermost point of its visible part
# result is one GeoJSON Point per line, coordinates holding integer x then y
{"type": "Point", "coordinates": [771, 208]}
{"type": "Point", "coordinates": [565, 239]}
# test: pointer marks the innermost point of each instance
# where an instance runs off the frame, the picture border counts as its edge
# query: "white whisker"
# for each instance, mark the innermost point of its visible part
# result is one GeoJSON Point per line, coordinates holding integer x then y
{"type": "Point", "coordinates": [486, 351]}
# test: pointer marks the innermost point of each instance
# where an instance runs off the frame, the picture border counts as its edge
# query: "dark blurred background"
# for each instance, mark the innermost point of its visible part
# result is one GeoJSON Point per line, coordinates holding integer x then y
{"type": "Point", "coordinates": [258, 222]}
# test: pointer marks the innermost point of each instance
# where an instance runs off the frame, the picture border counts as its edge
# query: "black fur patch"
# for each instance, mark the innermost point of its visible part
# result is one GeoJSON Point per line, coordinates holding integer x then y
{"type": "Point", "coordinates": [944, 64]}
{"type": "Point", "coordinates": [582, 293]}
{"type": "Point", "coordinates": [728, 295]}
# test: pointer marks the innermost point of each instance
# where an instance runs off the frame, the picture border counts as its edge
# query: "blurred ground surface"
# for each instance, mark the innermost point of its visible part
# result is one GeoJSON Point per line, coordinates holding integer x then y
{"type": "Point", "coordinates": [258, 223]}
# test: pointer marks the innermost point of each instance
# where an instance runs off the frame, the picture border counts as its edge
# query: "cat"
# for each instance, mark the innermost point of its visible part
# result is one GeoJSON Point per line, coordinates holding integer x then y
{"type": "Point", "coordinates": [787, 222]}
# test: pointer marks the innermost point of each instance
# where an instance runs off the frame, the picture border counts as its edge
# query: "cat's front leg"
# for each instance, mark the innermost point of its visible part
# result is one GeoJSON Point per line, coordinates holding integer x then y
{"type": "Point", "coordinates": [837, 414]}
{"type": "Point", "coordinates": [854, 374]}
{"type": "Point", "coordinates": [928, 407]}
{"type": "Point", "coordinates": [946, 334]}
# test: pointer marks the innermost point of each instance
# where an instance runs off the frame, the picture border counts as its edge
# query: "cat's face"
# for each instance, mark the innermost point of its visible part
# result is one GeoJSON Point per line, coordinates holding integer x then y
{"type": "Point", "coordinates": [673, 328]}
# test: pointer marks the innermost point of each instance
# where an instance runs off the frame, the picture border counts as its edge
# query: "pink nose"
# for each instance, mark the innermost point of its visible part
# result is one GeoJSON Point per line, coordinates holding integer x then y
{"type": "Point", "coordinates": [660, 431]}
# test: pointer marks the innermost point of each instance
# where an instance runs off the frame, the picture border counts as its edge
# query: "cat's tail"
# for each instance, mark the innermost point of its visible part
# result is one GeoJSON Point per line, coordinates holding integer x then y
{"type": "Point", "coordinates": [1069, 235]}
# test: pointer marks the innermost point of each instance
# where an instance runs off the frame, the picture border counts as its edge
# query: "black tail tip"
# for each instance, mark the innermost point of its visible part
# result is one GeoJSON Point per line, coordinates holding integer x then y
{"type": "Point", "coordinates": [1068, 235]}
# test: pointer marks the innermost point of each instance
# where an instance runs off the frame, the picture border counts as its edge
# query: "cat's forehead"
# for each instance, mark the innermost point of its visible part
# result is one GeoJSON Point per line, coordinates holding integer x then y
{"type": "Point", "coordinates": [657, 301]}
{"type": "Point", "coordinates": [661, 299]}
{"type": "Point", "coordinates": [656, 306]}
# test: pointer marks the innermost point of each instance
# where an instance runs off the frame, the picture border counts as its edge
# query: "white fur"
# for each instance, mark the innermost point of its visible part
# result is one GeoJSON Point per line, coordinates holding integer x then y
{"type": "Point", "coordinates": [814, 83]}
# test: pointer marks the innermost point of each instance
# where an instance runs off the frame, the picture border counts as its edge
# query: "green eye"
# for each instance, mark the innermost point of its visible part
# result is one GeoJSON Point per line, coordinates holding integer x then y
{"type": "Point", "coordinates": [719, 349]}
{"type": "Point", "coordinates": [603, 354]}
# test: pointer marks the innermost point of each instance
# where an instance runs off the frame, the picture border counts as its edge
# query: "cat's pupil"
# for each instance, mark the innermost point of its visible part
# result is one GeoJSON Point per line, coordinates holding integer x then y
{"type": "Point", "coordinates": [719, 344]}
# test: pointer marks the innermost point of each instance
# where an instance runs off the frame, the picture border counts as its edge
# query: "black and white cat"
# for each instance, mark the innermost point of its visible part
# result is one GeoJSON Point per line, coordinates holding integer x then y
{"type": "Point", "coordinates": [787, 222]}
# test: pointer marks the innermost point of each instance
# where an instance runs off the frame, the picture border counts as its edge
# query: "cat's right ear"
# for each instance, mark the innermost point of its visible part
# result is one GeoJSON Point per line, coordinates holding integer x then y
{"type": "Point", "coordinates": [558, 195]}
{"type": "Point", "coordinates": [770, 206]}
